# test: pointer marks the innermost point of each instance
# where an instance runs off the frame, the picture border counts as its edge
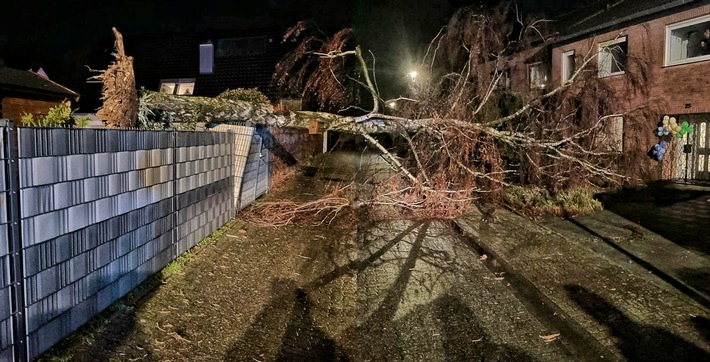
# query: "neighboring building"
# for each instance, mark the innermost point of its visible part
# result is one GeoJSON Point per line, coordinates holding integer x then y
{"type": "Point", "coordinates": [24, 91]}
{"type": "Point", "coordinates": [207, 64]}
{"type": "Point", "coordinates": [653, 54]}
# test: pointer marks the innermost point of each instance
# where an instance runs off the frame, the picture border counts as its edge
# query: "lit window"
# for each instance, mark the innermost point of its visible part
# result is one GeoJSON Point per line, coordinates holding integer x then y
{"type": "Point", "coordinates": [178, 86]}
{"type": "Point", "coordinates": [612, 57]}
{"type": "Point", "coordinates": [688, 41]}
{"type": "Point", "coordinates": [568, 65]}
{"type": "Point", "coordinates": [537, 73]}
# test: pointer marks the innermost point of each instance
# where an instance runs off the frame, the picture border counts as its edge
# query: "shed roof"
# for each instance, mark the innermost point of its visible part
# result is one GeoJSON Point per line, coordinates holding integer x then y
{"type": "Point", "coordinates": [25, 81]}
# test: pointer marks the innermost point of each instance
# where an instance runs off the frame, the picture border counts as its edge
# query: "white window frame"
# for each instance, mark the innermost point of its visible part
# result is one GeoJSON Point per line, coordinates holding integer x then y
{"type": "Point", "coordinates": [566, 65]}
{"type": "Point", "coordinates": [609, 44]}
{"type": "Point", "coordinates": [188, 83]}
{"type": "Point", "coordinates": [544, 73]}
{"type": "Point", "coordinates": [669, 30]}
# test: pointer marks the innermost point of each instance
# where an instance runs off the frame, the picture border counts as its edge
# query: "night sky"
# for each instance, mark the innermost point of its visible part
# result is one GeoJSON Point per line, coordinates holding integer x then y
{"type": "Point", "coordinates": [61, 35]}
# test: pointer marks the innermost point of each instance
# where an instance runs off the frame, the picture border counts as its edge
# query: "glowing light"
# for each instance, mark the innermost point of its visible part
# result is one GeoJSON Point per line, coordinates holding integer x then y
{"type": "Point", "coordinates": [392, 104]}
{"type": "Point", "coordinates": [413, 75]}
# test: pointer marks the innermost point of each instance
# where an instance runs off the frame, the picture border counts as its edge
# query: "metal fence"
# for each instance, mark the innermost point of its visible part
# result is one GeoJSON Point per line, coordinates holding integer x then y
{"type": "Point", "coordinates": [251, 162]}
{"type": "Point", "coordinates": [7, 288]}
{"type": "Point", "coordinates": [87, 215]}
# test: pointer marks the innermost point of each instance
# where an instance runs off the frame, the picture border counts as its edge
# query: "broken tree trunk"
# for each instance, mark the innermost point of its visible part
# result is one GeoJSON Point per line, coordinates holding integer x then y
{"type": "Point", "coordinates": [119, 95]}
{"type": "Point", "coordinates": [189, 110]}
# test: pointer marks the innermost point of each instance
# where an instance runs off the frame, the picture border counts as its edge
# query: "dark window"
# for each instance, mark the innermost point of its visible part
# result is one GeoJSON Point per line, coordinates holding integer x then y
{"type": "Point", "coordinates": [236, 47]}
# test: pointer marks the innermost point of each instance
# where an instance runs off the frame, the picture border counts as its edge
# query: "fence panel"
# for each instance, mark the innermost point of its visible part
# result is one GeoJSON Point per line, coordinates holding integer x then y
{"type": "Point", "coordinates": [96, 218]}
{"type": "Point", "coordinates": [242, 143]}
{"type": "Point", "coordinates": [256, 173]}
{"type": "Point", "coordinates": [7, 339]}
{"type": "Point", "coordinates": [88, 214]}
{"type": "Point", "coordinates": [205, 183]}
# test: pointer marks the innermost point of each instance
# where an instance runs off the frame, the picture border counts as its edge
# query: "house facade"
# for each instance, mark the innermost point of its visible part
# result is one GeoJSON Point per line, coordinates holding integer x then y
{"type": "Point", "coordinates": [654, 55]}
{"type": "Point", "coordinates": [207, 64]}
{"type": "Point", "coordinates": [24, 91]}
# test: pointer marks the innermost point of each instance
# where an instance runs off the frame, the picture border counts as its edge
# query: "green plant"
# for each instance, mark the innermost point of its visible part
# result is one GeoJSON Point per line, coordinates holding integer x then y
{"type": "Point", "coordinates": [176, 266]}
{"type": "Point", "coordinates": [57, 116]}
{"type": "Point", "coordinates": [27, 119]}
{"type": "Point", "coordinates": [536, 200]}
{"type": "Point", "coordinates": [81, 122]}
{"type": "Point", "coordinates": [251, 95]}
{"type": "Point", "coordinates": [146, 116]}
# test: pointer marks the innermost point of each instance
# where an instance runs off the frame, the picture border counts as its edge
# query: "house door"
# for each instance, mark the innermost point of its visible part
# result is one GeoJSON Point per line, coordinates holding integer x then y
{"type": "Point", "coordinates": [698, 162]}
{"type": "Point", "coordinates": [701, 150]}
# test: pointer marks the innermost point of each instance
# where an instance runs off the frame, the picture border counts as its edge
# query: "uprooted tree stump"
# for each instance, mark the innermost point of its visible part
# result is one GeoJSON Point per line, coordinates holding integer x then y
{"type": "Point", "coordinates": [119, 94]}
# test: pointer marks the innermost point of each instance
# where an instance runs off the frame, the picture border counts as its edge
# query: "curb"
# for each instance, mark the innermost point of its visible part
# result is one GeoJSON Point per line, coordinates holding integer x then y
{"type": "Point", "coordinates": [698, 296]}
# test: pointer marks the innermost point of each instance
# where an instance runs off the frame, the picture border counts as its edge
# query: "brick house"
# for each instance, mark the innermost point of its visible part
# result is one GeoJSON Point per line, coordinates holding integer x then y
{"type": "Point", "coordinates": [657, 41]}
{"type": "Point", "coordinates": [24, 91]}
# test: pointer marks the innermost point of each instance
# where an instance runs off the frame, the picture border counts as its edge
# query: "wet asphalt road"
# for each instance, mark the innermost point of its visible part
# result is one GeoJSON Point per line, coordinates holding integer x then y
{"type": "Point", "coordinates": [406, 291]}
{"type": "Point", "coordinates": [400, 291]}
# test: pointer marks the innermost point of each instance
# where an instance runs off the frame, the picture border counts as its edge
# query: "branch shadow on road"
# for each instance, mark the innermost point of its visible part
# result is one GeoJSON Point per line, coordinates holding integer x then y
{"type": "Point", "coordinates": [460, 326]}
{"type": "Point", "coordinates": [636, 341]}
{"type": "Point", "coordinates": [360, 265]}
{"type": "Point", "coordinates": [702, 325]}
{"type": "Point", "coordinates": [285, 331]}
{"type": "Point", "coordinates": [697, 277]}
{"type": "Point", "coordinates": [440, 326]}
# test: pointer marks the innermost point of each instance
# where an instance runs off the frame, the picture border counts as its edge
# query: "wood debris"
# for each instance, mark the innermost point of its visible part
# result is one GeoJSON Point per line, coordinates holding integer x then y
{"type": "Point", "coordinates": [550, 337]}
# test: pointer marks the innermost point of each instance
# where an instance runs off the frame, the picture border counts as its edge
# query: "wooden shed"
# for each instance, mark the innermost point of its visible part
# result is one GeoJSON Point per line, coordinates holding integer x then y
{"type": "Point", "coordinates": [24, 91]}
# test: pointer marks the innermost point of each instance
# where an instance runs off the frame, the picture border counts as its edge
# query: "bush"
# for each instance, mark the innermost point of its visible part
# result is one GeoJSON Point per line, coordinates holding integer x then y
{"type": "Point", "coordinates": [58, 116]}
{"type": "Point", "coordinates": [247, 95]}
{"type": "Point", "coordinates": [81, 122]}
{"type": "Point", "coordinates": [538, 201]}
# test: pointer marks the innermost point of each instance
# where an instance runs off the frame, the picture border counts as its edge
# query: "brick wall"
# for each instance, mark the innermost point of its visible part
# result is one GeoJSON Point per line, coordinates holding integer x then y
{"type": "Point", "coordinates": [664, 90]}
{"type": "Point", "coordinates": [669, 88]}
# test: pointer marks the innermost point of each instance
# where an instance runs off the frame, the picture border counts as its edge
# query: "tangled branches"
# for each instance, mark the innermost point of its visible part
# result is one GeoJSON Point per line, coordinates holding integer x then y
{"type": "Point", "coordinates": [280, 213]}
{"type": "Point", "coordinates": [469, 137]}
{"type": "Point", "coordinates": [322, 79]}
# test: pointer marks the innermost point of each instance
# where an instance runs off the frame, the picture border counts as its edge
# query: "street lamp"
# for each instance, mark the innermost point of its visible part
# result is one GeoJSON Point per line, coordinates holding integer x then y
{"type": "Point", "coordinates": [413, 75]}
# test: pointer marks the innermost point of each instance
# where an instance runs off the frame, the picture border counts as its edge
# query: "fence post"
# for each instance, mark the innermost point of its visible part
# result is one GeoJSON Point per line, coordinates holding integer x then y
{"type": "Point", "coordinates": [176, 232]}
{"type": "Point", "coordinates": [232, 137]}
{"type": "Point", "coordinates": [258, 167]}
{"type": "Point", "coordinates": [17, 277]}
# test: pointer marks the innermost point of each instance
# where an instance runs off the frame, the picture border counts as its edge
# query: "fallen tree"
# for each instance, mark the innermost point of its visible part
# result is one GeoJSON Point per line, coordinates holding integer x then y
{"type": "Point", "coordinates": [468, 140]}
{"type": "Point", "coordinates": [465, 142]}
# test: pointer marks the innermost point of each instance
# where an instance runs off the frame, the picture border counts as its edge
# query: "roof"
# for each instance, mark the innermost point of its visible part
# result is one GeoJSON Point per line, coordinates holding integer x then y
{"type": "Point", "coordinates": [25, 81]}
{"type": "Point", "coordinates": [171, 56]}
{"type": "Point", "coordinates": [601, 15]}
